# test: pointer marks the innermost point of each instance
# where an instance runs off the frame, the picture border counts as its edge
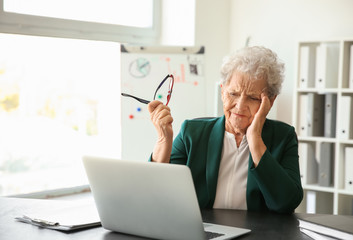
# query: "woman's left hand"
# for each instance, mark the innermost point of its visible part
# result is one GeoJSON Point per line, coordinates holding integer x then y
{"type": "Point", "coordinates": [255, 128]}
{"type": "Point", "coordinates": [253, 133]}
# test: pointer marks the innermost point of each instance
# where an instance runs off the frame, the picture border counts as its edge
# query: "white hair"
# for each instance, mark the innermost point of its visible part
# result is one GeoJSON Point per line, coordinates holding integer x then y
{"type": "Point", "coordinates": [258, 63]}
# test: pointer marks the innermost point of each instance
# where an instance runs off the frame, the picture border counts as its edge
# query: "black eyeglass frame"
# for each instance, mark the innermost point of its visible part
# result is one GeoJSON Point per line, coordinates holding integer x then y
{"type": "Point", "coordinates": [170, 90]}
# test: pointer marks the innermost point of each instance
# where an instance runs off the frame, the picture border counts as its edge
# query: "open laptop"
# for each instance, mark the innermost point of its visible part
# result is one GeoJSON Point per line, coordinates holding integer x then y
{"type": "Point", "coordinates": [151, 200]}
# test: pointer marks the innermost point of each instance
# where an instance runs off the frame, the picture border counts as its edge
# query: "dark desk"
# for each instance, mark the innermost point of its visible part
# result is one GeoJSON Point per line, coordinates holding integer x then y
{"type": "Point", "coordinates": [263, 225]}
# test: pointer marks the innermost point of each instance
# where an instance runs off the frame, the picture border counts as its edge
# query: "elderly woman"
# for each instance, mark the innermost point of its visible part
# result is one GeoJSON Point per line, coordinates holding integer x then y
{"type": "Point", "coordinates": [240, 160]}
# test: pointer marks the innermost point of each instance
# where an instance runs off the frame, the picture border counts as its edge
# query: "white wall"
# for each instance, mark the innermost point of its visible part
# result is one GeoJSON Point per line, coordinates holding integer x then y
{"type": "Point", "coordinates": [279, 25]}
{"type": "Point", "coordinates": [212, 23]}
{"type": "Point", "coordinates": [178, 23]}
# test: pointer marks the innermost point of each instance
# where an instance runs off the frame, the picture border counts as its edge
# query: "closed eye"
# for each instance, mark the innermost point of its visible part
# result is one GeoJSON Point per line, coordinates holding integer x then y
{"type": "Point", "coordinates": [253, 98]}
{"type": "Point", "coordinates": [234, 94]}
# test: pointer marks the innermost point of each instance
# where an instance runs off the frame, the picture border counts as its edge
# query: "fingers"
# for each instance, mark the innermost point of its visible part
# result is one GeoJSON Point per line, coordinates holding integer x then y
{"type": "Point", "coordinates": [153, 105]}
{"type": "Point", "coordinates": [265, 105]}
{"type": "Point", "coordinates": [261, 114]}
{"type": "Point", "coordinates": [159, 111]}
{"type": "Point", "coordinates": [160, 117]}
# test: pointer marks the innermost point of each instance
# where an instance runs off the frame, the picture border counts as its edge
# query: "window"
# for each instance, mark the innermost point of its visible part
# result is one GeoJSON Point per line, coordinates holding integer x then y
{"type": "Point", "coordinates": [133, 21]}
{"type": "Point", "coordinates": [60, 85]}
{"type": "Point", "coordinates": [133, 13]}
{"type": "Point", "coordinates": [59, 99]}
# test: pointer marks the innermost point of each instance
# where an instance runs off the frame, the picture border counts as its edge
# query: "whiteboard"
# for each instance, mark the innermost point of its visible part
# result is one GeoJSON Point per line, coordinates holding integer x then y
{"type": "Point", "coordinates": [142, 69]}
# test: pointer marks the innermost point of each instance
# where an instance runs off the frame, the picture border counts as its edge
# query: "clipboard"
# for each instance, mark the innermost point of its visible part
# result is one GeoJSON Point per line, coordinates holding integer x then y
{"type": "Point", "coordinates": [64, 216]}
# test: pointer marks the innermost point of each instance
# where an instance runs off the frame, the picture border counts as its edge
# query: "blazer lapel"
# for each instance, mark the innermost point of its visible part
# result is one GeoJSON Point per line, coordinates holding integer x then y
{"type": "Point", "coordinates": [214, 151]}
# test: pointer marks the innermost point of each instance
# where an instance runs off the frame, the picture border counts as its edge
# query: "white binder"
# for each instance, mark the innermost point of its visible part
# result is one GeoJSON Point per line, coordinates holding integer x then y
{"type": "Point", "coordinates": [303, 118]}
{"type": "Point", "coordinates": [346, 118]}
{"type": "Point", "coordinates": [348, 159]}
{"type": "Point", "coordinates": [307, 67]}
{"type": "Point", "coordinates": [327, 58]}
{"type": "Point", "coordinates": [325, 177]}
{"type": "Point", "coordinates": [311, 116]}
{"type": "Point", "coordinates": [308, 171]}
{"type": "Point", "coordinates": [310, 202]}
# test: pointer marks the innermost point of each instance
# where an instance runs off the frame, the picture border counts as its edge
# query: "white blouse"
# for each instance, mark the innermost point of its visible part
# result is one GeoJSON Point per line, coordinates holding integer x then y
{"type": "Point", "coordinates": [233, 174]}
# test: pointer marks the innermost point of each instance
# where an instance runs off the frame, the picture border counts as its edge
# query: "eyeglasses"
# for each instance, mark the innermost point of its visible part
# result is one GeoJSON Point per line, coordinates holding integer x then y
{"type": "Point", "coordinates": [169, 77]}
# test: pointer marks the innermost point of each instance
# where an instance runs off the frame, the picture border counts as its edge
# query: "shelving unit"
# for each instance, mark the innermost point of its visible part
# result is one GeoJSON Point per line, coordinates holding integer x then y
{"type": "Point", "coordinates": [323, 117]}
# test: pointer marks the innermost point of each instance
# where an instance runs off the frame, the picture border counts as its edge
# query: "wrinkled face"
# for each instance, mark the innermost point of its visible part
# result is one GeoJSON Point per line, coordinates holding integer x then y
{"type": "Point", "coordinates": [241, 100]}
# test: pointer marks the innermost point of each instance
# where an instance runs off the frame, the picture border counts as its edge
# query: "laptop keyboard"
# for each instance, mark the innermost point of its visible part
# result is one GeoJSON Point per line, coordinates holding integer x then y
{"type": "Point", "coordinates": [211, 235]}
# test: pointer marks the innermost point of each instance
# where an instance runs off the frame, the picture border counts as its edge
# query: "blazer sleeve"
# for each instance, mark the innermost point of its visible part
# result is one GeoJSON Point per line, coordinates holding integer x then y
{"type": "Point", "coordinates": [179, 151]}
{"type": "Point", "coordinates": [277, 174]}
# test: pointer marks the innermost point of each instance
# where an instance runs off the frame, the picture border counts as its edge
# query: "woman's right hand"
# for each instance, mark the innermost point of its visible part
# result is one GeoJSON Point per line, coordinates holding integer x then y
{"type": "Point", "coordinates": [162, 121]}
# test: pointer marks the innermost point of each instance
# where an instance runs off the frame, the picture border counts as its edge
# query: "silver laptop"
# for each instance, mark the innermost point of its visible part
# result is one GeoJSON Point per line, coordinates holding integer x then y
{"type": "Point", "coordinates": [151, 200]}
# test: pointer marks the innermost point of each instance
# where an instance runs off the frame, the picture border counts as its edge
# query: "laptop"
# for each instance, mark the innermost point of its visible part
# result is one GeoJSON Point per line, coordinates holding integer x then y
{"type": "Point", "coordinates": [152, 200]}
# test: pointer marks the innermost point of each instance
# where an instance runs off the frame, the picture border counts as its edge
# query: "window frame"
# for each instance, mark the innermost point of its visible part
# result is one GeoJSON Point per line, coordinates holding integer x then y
{"type": "Point", "coordinates": [16, 23]}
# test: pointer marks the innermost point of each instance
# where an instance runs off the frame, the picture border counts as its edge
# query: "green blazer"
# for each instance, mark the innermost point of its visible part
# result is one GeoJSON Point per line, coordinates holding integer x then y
{"type": "Point", "coordinates": [273, 185]}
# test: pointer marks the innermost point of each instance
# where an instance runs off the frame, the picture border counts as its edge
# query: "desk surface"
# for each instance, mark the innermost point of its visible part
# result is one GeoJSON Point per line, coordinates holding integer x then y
{"type": "Point", "coordinates": [263, 225]}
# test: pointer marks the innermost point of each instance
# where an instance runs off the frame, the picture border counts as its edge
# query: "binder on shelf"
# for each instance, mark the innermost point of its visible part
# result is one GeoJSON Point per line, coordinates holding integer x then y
{"type": "Point", "coordinates": [317, 107]}
{"type": "Point", "coordinates": [311, 116]}
{"type": "Point", "coordinates": [326, 71]}
{"type": "Point", "coordinates": [351, 68]}
{"type": "Point", "coordinates": [309, 171]}
{"type": "Point", "coordinates": [307, 67]}
{"type": "Point", "coordinates": [304, 122]}
{"type": "Point", "coordinates": [346, 118]}
{"type": "Point", "coordinates": [311, 202]}
{"type": "Point", "coordinates": [348, 159]}
{"type": "Point", "coordinates": [326, 164]}
{"type": "Point", "coordinates": [330, 115]}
